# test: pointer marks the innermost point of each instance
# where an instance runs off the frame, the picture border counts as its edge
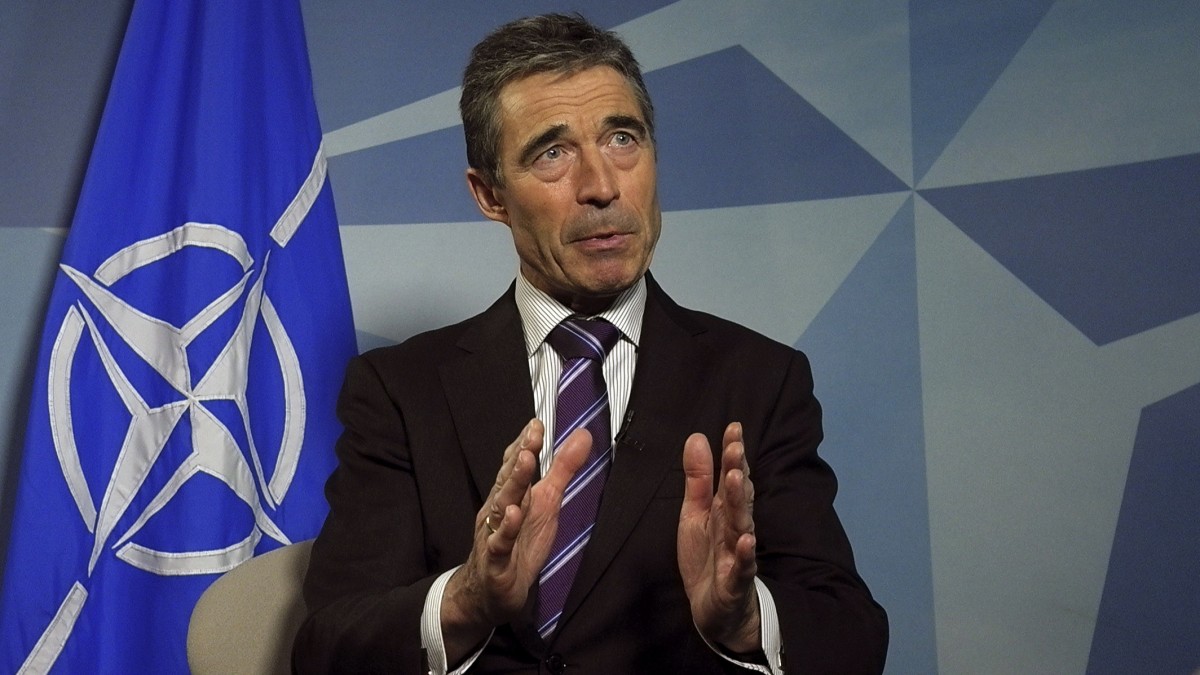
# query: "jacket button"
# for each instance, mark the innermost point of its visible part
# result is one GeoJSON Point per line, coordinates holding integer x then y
{"type": "Point", "coordinates": [556, 664]}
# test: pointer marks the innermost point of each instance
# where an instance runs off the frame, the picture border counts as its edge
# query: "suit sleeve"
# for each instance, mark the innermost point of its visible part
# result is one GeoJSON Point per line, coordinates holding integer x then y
{"type": "Point", "coordinates": [368, 578]}
{"type": "Point", "coordinates": [828, 620]}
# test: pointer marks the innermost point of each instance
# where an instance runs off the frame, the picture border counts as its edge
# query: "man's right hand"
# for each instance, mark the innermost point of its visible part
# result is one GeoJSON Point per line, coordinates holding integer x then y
{"type": "Point", "coordinates": [513, 534]}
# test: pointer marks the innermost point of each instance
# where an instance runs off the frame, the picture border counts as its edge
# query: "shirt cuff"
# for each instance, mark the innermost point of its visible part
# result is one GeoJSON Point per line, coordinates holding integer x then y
{"type": "Point", "coordinates": [772, 641]}
{"type": "Point", "coordinates": [431, 631]}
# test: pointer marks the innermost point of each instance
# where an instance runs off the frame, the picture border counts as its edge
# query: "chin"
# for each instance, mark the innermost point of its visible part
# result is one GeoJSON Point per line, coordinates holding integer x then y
{"type": "Point", "coordinates": [612, 285]}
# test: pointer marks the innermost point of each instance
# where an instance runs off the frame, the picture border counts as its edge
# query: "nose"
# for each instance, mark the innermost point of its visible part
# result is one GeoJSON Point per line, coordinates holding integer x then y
{"type": "Point", "coordinates": [596, 179]}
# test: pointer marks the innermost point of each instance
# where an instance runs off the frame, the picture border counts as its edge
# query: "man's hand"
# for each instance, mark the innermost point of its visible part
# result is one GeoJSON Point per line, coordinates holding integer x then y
{"type": "Point", "coordinates": [513, 534]}
{"type": "Point", "coordinates": [716, 543]}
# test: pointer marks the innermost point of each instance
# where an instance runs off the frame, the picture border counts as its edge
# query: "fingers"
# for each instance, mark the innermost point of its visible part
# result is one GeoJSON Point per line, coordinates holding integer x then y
{"type": "Point", "coordinates": [517, 469]}
{"type": "Point", "coordinates": [736, 493]}
{"type": "Point", "coordinates": [736, 490]}
{"type": "Point", "coordinates": [729, 511]}
{"type": "Point", "coordinates": [504, 529]}
{"type": "Point", "coordinates": [733, 434]}
{"type": "Point", "coordinates": [515, 484]}
{"type": "Point", "coordinates": [733, 451]}
{"type": "Point", "coordinates": [529, 440]}
{"type": "Point", "coordinates": [716, 542]}
{"type": "Point", "coordinates": [499, 520]}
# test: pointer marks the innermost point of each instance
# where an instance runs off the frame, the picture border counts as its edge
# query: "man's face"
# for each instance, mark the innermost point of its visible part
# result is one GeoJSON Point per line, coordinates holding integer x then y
{"type": "Point", "coordinates": [579, 186]}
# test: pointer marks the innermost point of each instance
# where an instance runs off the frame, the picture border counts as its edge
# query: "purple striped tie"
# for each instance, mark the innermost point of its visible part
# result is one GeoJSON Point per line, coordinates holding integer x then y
{"type": "Point", "coordinates": [582, 403]}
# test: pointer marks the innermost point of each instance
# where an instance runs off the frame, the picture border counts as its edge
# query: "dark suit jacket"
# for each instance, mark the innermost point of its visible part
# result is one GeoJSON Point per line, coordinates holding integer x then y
{"type": "Point", "coordinates": [426, 424]}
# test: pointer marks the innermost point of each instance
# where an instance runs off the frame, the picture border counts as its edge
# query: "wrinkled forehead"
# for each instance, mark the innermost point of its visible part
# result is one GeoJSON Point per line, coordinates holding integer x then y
{"type": "Point", "coordinates": [533, 104]}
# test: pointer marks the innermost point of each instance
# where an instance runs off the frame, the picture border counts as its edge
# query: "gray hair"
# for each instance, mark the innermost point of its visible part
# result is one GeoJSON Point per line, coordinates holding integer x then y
{"type": "Point", "coordinates": [555, 43]}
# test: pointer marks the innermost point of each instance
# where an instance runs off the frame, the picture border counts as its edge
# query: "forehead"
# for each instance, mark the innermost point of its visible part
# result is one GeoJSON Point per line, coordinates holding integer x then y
{"type": "Point", "coordinates": [580, 101]}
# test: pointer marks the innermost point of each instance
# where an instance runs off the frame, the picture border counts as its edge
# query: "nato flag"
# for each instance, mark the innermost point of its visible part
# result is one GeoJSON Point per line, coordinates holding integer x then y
{"type": "Point", "coordinates": [182, 416]}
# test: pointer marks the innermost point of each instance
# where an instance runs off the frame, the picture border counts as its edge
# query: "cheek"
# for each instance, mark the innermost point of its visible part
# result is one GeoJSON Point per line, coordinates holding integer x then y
{"type": "Point", "coordinates": [540, 222]}
{"type": "Point", "coordinates": [539, 205]}
{"type": "Point", "coordinates": [642, 190]}
{"type": "Point", "coordinates": [533, 241]}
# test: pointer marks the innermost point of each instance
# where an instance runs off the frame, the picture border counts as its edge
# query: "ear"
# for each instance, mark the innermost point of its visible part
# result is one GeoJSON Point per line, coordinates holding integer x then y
{"type": "Point", "coordinates": [488, 199]}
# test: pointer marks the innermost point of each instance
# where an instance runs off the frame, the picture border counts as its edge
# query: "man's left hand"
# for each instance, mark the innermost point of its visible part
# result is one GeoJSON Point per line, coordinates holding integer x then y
{"type": "Point", "coordinates": [716, 543]}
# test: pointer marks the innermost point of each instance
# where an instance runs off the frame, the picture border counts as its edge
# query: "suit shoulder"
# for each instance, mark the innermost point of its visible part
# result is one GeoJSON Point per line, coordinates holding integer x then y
{"type": "Point", "coordinates": [427, 350]}
{"type": "Point", "coordinates": [423, 352]}
{"type": "Point", "coordinates": [727, 337]}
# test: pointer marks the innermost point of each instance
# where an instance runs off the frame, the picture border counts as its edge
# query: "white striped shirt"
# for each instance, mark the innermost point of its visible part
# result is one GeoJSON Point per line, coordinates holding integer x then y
{"type": "Point", "coordinates": [540, 314]}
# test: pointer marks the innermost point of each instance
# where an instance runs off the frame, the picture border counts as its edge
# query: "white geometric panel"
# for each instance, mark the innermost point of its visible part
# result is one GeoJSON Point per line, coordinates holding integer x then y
{"type": "Point", "coordinates": [1097, 84]}
{"type": "Point", "coordinates": [434, 113]}
{"type": "Point", "coordinates": [405, 279]}
{"type": "Point", "coordinates": [771, 267]}
{"type": "Point", "coordinates": [1029, 428]}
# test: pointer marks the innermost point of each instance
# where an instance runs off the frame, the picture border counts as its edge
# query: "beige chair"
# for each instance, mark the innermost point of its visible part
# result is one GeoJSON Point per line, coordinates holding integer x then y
{"type": "Point", "coordinates": [245, 622]}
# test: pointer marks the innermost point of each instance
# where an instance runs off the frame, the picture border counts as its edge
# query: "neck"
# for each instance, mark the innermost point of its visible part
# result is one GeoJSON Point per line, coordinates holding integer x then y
{"type": "Point", "coordinates": [588, 305]}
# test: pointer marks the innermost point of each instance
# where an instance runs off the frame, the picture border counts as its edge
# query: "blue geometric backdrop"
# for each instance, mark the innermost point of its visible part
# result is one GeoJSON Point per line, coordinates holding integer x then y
{"type": "Point", "coordinates": [980, 219]}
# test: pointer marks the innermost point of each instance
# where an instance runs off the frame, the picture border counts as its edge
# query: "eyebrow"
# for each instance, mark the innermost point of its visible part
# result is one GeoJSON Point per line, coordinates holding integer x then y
{"type": "Point", "coordinates": [634, 124]}
{"type": "Point", "coordinates": [534, 146]}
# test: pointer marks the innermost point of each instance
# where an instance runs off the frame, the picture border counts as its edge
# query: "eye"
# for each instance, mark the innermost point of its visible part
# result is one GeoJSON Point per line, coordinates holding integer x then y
{"type": "Point", "coordinates": [623, 143]}
{"type": "Point", "coordinates": [552, 163]}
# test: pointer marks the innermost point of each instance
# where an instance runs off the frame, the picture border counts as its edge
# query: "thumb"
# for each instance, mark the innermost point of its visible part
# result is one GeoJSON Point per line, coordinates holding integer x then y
{"type": "Point", "coordinates": [698, 474]}
{"type": "Point", "coordinates": [569, 458]}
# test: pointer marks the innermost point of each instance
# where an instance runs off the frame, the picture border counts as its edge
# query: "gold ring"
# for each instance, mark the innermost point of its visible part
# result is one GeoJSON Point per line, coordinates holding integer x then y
{"type": "Point", "coordinates": [488, 522]}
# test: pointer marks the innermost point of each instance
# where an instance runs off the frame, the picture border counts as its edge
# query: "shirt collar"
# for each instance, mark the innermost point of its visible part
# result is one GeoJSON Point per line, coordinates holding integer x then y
{"type": "Point", "coordinates": [540, 313]}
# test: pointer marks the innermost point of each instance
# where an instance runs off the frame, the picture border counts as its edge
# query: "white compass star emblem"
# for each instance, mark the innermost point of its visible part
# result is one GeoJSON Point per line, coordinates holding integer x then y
{"type": "Point", "coordinates": [163, 347]}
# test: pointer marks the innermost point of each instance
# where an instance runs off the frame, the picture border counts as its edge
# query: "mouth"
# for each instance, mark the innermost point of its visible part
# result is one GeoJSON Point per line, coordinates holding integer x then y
{"type": "Point", "coordinates": [595, 231]}
{"type": "Point", "coordinates": [602, 236]}
{"type": "Point", "coordinates": [603, 241]}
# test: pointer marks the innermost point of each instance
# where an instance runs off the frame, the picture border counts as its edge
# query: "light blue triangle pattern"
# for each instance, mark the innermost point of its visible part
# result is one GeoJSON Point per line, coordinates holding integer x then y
{"type": "Point", "coordinates": [958, 51]}
{"type": "Point", "coordinates": [731, 133]}
{"type": "Point", "coordinates": [1115, 250]}
{"type": "Point", "coordinates": [866, 361]}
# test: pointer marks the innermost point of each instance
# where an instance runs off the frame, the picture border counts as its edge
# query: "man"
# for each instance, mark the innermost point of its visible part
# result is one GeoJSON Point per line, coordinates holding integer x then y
{"type": "Point", "coordinates": [698, 533]}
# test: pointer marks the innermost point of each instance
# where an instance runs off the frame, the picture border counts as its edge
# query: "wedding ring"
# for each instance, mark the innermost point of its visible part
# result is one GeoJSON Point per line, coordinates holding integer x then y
{"type": "Point", "coordinates": [488, 521]}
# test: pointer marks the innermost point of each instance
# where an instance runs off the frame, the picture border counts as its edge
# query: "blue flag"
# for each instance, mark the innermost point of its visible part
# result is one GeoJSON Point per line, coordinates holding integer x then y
{"type": "Point", "coordinates": [182, 417]}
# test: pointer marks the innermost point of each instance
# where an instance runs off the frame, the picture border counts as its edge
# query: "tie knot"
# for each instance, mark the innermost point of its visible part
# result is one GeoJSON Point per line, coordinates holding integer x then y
{"type": "Point", "coordinates": [577, 338]}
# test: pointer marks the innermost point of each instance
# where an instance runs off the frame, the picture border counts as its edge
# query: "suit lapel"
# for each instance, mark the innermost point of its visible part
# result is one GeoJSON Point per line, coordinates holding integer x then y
{"type": "Point", "coordinates": [488, 390]}
{"type": "Point", "coordinates": [490, 396]}
{"type": "Point", "coordinates": [671, 367]}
